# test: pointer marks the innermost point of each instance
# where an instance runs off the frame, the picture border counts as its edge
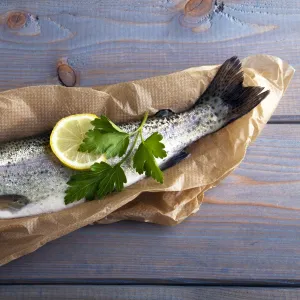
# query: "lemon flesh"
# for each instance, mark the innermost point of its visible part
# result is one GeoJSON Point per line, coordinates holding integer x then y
{"type": "Point", "coordinates": [66, 137]}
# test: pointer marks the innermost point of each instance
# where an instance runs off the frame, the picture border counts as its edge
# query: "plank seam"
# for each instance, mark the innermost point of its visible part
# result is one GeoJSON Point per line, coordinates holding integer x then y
{"type": "Point", "coordinates": [285, 119]}
{"type": "Point", "coordinates": [205, 283]}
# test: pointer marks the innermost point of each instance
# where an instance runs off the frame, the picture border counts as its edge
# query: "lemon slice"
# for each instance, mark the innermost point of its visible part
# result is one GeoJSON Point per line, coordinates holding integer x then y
{"type": "Point", "coordinates": [66, 137]}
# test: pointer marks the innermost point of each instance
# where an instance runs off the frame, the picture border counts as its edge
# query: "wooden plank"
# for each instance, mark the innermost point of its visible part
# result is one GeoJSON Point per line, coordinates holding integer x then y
{"type": "Point", "coordinates": [108, 41]}
{"type": "Point", "coordinates": [284, 119]}
{"type": "Point", "coordinates": [247, 232]}
{"type": "Point", "coordinates": [65, 292]}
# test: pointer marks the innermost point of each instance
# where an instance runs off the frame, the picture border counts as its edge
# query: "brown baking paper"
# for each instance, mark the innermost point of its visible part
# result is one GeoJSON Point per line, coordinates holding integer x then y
{"type": "Point", "coordinates": [33, 110]}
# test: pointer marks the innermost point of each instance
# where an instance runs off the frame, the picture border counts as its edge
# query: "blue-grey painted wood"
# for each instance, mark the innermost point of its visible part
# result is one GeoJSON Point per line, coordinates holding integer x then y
{"type": "Point", "coordinates": [67, 292]}
{"type": "Point", "coordinates": [248, 234]}
{"type": "Point", "coordinates": [247, 231]}
{"type": "Point", "coordinates": [111, 41]}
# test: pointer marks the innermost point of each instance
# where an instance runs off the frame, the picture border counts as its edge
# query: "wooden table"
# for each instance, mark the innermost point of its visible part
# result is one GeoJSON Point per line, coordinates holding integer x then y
{"type": "Point", "coordinates": [244, 243]}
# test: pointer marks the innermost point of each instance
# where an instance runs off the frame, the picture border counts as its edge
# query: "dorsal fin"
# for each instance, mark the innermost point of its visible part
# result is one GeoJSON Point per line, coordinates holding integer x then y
{"type": "Point", "coordinates": [163, 113]}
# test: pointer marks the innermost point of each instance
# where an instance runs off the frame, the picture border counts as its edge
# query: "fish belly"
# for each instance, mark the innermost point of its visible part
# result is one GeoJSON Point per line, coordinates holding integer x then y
{"type": "Point", "coordinates": [38, 177]}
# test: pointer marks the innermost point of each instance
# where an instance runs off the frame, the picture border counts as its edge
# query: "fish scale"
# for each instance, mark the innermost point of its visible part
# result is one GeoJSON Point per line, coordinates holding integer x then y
{"type": "Point", "coordinates": [33, 181]}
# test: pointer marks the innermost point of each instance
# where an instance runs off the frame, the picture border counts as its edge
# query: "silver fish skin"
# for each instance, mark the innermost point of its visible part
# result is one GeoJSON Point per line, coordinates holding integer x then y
{"type": "Point", "coordinates": [30, 170]}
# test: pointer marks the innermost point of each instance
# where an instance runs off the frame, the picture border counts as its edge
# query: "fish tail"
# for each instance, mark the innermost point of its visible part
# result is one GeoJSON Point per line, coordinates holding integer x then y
{"type": "Point", "coordinates": [227, 88]}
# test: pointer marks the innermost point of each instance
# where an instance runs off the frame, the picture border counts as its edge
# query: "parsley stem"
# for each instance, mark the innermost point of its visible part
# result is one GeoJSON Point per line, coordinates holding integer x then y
{"type": "Point", "coordinates": [131, 149]}
{"type": "Point", "coordinates": [141, 125]}
{"type": "Point", "coordinates": [144, 121]}
{"type": "Point", "coordinates": [138, 133]}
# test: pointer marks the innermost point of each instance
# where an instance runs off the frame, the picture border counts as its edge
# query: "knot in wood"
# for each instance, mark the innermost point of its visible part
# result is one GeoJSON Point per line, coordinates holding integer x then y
{"type": "Point", "coordinates": [66, 75]}
{"type": "Point", "coordinates": [198, 8]}
{"type": "Point", "coordinates": [16, 20]}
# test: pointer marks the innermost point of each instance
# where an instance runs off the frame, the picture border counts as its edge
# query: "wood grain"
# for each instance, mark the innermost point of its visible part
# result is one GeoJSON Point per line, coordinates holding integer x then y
{"type": "Point", "coordinates": [111, 41]}
{"type": "Point", "coordinates": [246, 232]}
{"type": "Point", "coordinates": [61, 292]}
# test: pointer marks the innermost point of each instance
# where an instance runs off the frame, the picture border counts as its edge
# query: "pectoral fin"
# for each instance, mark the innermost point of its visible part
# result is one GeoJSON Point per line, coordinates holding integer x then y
{"type": "Point", "coordinates": [13, 202]}
{"type": "Point", "coordinates": [175, 160]}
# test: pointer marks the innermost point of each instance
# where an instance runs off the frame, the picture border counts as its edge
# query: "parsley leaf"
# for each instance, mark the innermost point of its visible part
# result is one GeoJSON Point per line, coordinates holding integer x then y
{"type": "Point", "coordinates": [110, 144]}
{"type": "Point", "coordinates": [144, 158]}
{"type": "Point", "coordinates": [113, 179]}
{"type": "Point", "coordinates": [100, 180]}
{"type": "Point", "coordinates": [106, 138]}
{"type": "Point", "coordinates": [104, 124]}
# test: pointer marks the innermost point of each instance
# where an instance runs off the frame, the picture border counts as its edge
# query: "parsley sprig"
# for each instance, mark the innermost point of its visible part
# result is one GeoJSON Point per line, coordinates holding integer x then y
{"type": "Point", "coordinates": [109, 139]}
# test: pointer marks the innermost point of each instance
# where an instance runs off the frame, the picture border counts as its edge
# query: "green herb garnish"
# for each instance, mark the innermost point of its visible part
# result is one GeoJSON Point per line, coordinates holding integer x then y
{"type": "Point", "coordinates": [107, 138]}
{"type": "Point", "coordinates": [144, 158]}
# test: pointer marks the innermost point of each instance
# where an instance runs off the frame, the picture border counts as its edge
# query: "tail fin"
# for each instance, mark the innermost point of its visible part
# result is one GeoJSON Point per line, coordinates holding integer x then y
{"type": "Point", "coordinates": [227, 86]}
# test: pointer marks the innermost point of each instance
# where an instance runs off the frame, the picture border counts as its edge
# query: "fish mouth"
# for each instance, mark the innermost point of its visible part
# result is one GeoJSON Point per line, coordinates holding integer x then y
{"type": "Point", "coordinates": [13, 202]}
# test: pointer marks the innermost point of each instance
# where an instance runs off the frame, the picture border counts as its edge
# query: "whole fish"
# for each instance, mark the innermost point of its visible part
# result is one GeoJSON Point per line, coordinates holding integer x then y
{"type": "Point", "coordinates": [33, 181]}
